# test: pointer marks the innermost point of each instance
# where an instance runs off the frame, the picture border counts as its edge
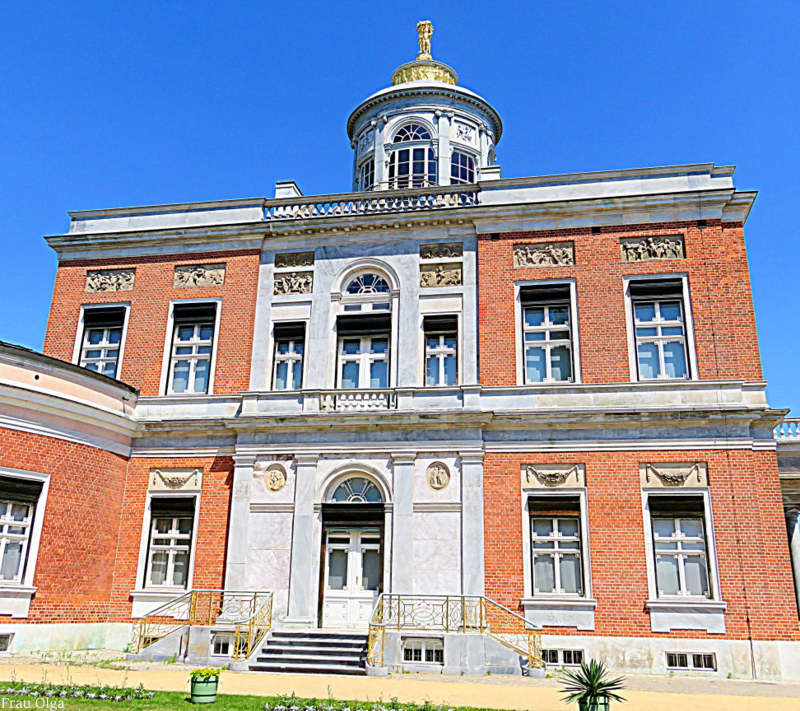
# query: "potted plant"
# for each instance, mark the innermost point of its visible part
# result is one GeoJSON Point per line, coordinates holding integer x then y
{"type": "Point", "coordinates": [591, 687]}
{"type": "Point", "coordinates": [204, 685]}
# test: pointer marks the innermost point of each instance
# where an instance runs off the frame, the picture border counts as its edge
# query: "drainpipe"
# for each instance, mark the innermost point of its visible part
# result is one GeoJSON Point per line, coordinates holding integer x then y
{"type": "Point", "coordinates": [793, 528]}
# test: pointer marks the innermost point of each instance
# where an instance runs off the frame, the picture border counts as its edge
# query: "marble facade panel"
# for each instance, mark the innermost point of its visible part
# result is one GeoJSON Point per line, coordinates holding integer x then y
{"type": "Point", "coordinates": [423, 493]}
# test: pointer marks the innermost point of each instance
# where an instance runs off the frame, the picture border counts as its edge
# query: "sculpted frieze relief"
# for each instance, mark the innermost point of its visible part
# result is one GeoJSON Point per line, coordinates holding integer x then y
{"type": "Point", "coordinates": [673, 474]}
{"type": "Point", "coordinates": [548, 254]}
{"type": "Point", "coordinates": [294, 260]}
{"type": "Point", "coordinates": [175, 479]}
{"type": "Point", "coordinates": [440, 275]}
{"type": "Point", "coordinates": [442, 250]}
{"type": "Point", "coordinates": [293, 283]}
{"type": "Point", "coordinates": [199, 275]}
{"type": "Point", "coordinates": [464, 132]}
{"type": "Point", "coordinates": [547, 476]}
{"type": "Point", "coordinates": [438, 476]}
{"type": "Point", "coordinates": [110, 280]}
{"type": "Point", "coordinates": [645, 249]}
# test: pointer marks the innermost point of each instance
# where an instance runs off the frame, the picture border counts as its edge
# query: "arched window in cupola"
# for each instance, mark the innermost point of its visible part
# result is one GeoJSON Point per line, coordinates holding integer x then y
{"type": "Point", "coordinates": [412, 161]}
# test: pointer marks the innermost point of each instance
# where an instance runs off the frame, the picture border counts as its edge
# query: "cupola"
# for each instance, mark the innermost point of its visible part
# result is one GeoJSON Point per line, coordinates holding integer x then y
{"type": "Point", "coordinates": [423, 131]}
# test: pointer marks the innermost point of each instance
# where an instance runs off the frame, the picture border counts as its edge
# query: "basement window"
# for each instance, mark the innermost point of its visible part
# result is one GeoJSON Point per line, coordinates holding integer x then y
{"type": "Point", "coordinates": [685, 661]}
{"type": "Point", "coordinates": [562, 657]}
{"type": "Point", "coordinates": [426, 651]}
{"type": "Point", "coordinates": [5, 642]}
{"type": "Point", "coordinates": [221, 645]}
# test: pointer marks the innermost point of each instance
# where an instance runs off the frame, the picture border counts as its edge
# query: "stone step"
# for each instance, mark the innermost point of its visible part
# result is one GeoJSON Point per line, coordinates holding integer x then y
{"type": "Point", "coordinates": [268, 657]}
{"type": "Point", "coordinates": [312, 649]}
{"type": "Point", "coordinates": [309, 668]}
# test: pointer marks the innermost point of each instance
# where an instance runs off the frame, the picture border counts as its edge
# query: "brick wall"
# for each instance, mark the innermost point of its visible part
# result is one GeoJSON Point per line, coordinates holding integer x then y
{"type": "Point", "coordinates": [719, 285]}
{"type": "Point", "coordinates": [149, 312]}
{"type": "Point", "coordinates": [81, 520]}
{"type": "Point", "coordinates": [212, 531]}
{"type": "Point", "coordinates": [749, 530]}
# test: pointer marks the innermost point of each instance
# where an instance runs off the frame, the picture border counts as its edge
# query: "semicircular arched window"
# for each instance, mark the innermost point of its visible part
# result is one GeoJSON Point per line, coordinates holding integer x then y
{"type": "Point", "coordinates": [412, 132]}
{"type": "Point", "coordinates": [368, 284]}
{"type": "Point", "coordinates": [357, 489]}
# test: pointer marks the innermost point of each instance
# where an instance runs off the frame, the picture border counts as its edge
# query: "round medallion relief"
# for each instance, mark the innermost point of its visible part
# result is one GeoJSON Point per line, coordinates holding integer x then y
{"type": "Point", "coordinates": [275, 477]}
{"type": "Point", "coordinates": [437, 476]}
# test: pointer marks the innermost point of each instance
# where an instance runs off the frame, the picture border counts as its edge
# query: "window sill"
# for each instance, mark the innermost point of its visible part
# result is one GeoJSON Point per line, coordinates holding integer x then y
{"type": "Point", "coordinates": [15, 600]}
{"type": "Point", "coordinates": [685, 603]}
{"type": "Point", "coordinates": [668, 614]}
{"type": "Point", "coordinates": [550, 611]}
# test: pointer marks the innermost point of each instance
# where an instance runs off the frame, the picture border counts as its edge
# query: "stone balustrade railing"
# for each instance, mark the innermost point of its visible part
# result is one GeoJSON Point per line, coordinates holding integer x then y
{"type": "Point", "coordinates": [358, 400]}
{"type": "Point", "coordinates": [788, 429]}
{"type": "Point", "coordinates": [371, 203]}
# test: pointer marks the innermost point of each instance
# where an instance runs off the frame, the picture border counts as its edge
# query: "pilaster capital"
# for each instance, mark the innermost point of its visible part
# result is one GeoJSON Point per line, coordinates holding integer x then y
{"type": "Point", "coordinates": [471, 456]}
{"type": "Point", "coordinates": [403, 457]}
{"type": "Point", "coordinates": [306, 460]}
{"type": "Point", "coordinates": [244, 460]}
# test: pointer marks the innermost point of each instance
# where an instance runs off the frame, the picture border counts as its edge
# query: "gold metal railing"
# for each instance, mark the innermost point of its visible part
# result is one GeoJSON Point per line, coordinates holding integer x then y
{"type": "Point", "coordinates": [247, 613]}
{"type": "Point", "coordinates": [451, 613]}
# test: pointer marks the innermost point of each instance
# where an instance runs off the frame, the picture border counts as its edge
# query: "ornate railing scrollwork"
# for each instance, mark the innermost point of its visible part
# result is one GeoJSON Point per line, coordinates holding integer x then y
{"type": "Point", "coordinates": [451, 613]}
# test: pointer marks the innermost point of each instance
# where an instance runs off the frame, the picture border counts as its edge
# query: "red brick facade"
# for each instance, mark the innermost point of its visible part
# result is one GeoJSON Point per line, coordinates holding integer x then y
{"type": "Point", "coordinates": [149, 312]}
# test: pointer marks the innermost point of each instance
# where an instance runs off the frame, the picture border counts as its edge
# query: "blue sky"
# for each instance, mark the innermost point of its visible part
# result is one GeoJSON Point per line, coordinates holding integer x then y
{"type": "Point", "coordinates": [106, 104]}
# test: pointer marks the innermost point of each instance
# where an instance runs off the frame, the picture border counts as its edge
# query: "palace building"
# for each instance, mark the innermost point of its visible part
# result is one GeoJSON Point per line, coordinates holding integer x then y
{"type": "Point", "coordinates": [449, 421]}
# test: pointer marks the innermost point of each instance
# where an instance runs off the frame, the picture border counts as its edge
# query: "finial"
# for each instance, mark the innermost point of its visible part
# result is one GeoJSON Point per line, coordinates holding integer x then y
{"type": "Point", "coordinates": [425, 32]}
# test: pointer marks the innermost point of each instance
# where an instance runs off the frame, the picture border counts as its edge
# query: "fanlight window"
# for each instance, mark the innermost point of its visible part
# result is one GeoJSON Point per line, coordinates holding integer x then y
{"type": "Point", "coordinates": [368, 284]}
{"type": "Point", "coordinates": [357, 489]}
{"type": "Point", "coordinates": [412, 132]}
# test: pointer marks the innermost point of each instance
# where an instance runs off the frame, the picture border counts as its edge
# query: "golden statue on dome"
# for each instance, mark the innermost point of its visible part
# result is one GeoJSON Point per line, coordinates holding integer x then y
{"type": "Point", "coordinates": [425, 32]}
{"type": "Point", "coordinates": [424, 68]}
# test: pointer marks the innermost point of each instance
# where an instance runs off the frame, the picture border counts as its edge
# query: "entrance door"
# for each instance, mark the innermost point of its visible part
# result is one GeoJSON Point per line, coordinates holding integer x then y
{"type": "Point", "coordinates": [352, 576]}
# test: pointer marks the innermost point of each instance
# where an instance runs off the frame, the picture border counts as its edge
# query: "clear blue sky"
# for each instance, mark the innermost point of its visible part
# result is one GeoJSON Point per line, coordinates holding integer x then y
{"type": "Point", "coordinates": [108, 104]}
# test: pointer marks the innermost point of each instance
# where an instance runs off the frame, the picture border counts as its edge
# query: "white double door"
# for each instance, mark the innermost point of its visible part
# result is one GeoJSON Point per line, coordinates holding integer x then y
{"type": "Point", "coordinates": [352, 576]}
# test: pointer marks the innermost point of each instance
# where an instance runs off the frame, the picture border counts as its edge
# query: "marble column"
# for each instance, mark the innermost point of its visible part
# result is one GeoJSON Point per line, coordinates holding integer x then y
{"type": "Point", "coordinates": [239, 519]}
{"type": "Point", "coordinates": [403, 523]}
{"type": "Point", "coordinates": [304, 570]}
{"type": "Point", "coordinates": [472, 574]}
{"type": "Point", "coordinates": [793, 526]}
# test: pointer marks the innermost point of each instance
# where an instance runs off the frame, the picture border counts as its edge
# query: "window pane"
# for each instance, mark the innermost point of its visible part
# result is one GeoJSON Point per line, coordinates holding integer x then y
{"type": "Point", "coordinates": [12, 556]}
{"type": "Point", "coordinates": [19, 512]}
{"type": "Point", "coordinates": [281, 374]}
{"type": "Point", "coordinates": [180, 376]}
{"type": "Point", "coordinates": [692, 527]}
{"type": "Point", "coordinates": [450, 375]}
{"type": "Point", "coordinates": [379, 345]}
{"type": "Point", "coordinates": [185, 525]}
{"type": "Point", "coordinates": [648, 361]}
{"type": "Point", "coordinates": [297, 375]}
{"type": "Point", "coordinates": [206, 332]}
{"type": "Point", "coordinates": [379, 374]}
{"type": "Point", "coordinates": [543, 573]}
{"type": "Point", "coordinates": [370, 562]}
{"type": "Point", "coordinates": [664, 527]}
{"type": "Point", "coordinates": [181, 569]}
{"type": "Point", "coordinates": [184, 350]}
{"type": "Point", "coordinates": [670, 311]}
{"type": "Point", "coordinates": [667, 573]}
{"type": "Point", "coordinates": [559, 315]}
{"type": "Point", "coordinates": [110, 369]}
{"type": "Point", "coordinates": [432, 371]}
{"type": "Point", "coordinates": [543, 527]}
{"type": "Point", "coordinates": [534, 316]}
{"type": "Point", "coordinates": [282, 347]}
{"type": "Point", "coordinates": [337, 569]}
{"type": "Point", "coordinates": [672, 331]}
{"type": "Point", "coordinates": [560, 363]}
{"type": "Point", "coordinates": [114, 335]}
{"type": "Point", "coordinates": [201, 376]}
{"type": "Point", "coordinates": [674, 360]}
{"type": "Point", "coordinates": [350, 375]}
{"type": "Point", "coordinates": [534, 365]}
{"type": "Point", "coordinates": [94, 336]}
{"type": "Point", "coordinates": [568, 526]}
{"type": "Point", "coordinates": [571, 574]}
{"type": "Point", "coordinates": [351, 346]}
{"type": "Point", "coordinates": [696, 575]}
{"type": "Point", "coordinates": [185, 333]}
{"type": "Point", "coordinates": [644, 311]}
{"type": "Point", "coordinates": [158, 569]}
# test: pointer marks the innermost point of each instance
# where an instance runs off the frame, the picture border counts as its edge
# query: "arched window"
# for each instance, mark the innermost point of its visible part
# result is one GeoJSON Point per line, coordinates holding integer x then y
{"type": "Point", "coordinates": [357, 489]}
{"type": "Point", "coordinates": [368, 284]}
{"type": "Point", "coordinates": [462, 168]}
{"type": "Point", "coordinates": [412, 166]}
{"type": "Point", "coordinates": [366, 175]}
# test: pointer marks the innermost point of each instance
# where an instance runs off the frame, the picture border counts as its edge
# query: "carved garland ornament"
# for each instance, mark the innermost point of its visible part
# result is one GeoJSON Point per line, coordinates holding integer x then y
{"type": "Point", "coordinates": [110, 280]}
{"type": "Point", "coordinates": [440, 275]}
{"type": "Point", "coordinates": [438, 476]}
{"type": "Point", "coordinates": [199, 275]}
{"type": "Point", "coordinates": [550, 254]}
{"type": "Point", "coordinates": [442, 250]}
{"type": "Point", "coordinates": [294, 260]}
{"type": "Point", "coordinates": [550, 477]}
{"type": "Point", "coordinates": [173, 480]}
{"type": "Point", "coordinates": [645, 249]}
{"type": "Point", "coordinates": [673, 475]}
{"type": "Point", "coordinates": [293, 283]}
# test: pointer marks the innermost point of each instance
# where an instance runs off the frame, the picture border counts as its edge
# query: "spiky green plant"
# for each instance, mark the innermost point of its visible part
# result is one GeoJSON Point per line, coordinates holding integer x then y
{"type": "Point", "coordinates": [590, 683]}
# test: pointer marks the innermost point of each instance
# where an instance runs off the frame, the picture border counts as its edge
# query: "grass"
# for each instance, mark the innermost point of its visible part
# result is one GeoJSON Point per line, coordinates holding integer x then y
{"type": "Point", "coordinates": [169, 701]}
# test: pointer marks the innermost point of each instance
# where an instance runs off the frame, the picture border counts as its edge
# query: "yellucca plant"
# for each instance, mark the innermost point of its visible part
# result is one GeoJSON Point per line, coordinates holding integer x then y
{"type": "Point", "coordinates": [590, 686]}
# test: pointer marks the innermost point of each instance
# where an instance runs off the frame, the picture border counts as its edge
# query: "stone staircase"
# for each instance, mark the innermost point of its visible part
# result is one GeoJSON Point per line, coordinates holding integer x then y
{"type": "Point", "coordinates": [313, 652]}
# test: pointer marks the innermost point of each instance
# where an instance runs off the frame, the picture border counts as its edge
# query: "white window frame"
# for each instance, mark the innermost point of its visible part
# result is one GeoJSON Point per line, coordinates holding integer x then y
{"type": "Point", "coordinates": [142, 570]}
{"type": "Point", "coordinates": [519, 314]}
{"type": "Point", "coordinates": [423, 644]}
{"type": "Point", "coordinates": [690, 665]}
{"type": "Point", "coordinates": [171, 549]}
{"type": "Point", "coordinates": [440, 352]}
{"type": "Point", "coordinates": [364, 360]}
{"type": "Point", "coordinates": [474, 160]}
{"type": "Point", "coordinates": [292, 359]}
{"type": "Point", "coordinates": [711, 550]}
{"type": "Point", "coordinates": [166, 366]}
{"type": "Point", "coordinates": [362, 174]}
{"type": "Point", "coordinates": [77, 351]}
{"type": "Point", "coordinates": [633, 356]}
{"type": "Point", "coordinates": [560, 654]}
{"type": "Point", "coordinates": [527, 545]}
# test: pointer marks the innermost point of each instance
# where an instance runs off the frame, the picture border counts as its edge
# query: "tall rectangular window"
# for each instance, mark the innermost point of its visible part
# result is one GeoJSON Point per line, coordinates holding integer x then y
{"type": "Point", "coordinates": [364, 355]}
{"type": "Point", "coordinates": [102, 339]}
{"type": "Point", "coordinates": [441, 350]}
{"type": "Point", "coordinates": [289, 350]}
{"type": "Point", "coordinates": [192, 348]}
{"type": "Point", "coordinates": [170, 545]}
{"type": "Point", "coordinates": [547, 333]}
{"type": "Point", "coordinates": [660, 328]}
{"type": "Point", "coordinates": [18, 499]}
{"type": "Point", "coordinates": [680, 546]}
{"type": "Point", "coordinates": [556, 545]}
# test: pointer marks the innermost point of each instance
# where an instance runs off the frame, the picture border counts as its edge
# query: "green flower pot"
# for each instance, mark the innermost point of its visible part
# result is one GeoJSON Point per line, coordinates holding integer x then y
{"type": "Point", "coordinates": [600, 703]}
{"type": "Point", "coordinates": [204, 691]}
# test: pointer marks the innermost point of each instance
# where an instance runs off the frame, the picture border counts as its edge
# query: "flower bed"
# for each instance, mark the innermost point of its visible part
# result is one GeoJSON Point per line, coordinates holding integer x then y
{"type": "Point", "coordinates": [74, 691]}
